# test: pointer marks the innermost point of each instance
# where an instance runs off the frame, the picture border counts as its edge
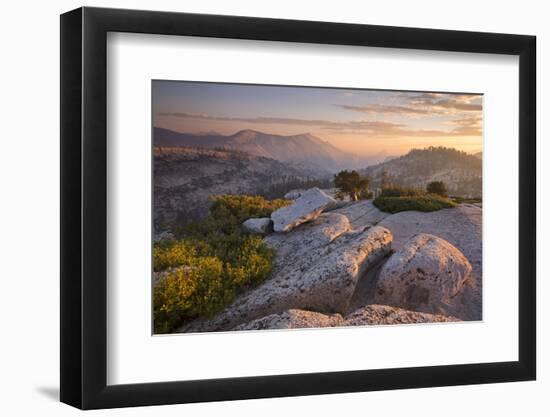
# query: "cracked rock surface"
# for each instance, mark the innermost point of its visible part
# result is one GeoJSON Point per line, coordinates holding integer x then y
{"type": "Point", "coordinates": [370, 315]}
{"type": "Point", "coordinates": [317, 267]}
{"type": "Point", "coordinates": [308, 206]}
{"type": "Point", "coordinates": [327, 271]}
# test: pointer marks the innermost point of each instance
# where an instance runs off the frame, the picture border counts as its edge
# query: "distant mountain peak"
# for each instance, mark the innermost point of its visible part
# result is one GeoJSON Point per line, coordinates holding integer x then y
{"type": "Point", "coordinates": [303, 150]}
{"type": "Point", "coordinates": [309, 136]}
{"type": "Point", "coordinates": [247, 132]}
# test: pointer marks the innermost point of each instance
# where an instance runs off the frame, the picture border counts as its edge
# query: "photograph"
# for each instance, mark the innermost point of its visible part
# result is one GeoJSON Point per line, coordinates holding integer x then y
{"type": "Point", "coordinates": [288, 207]}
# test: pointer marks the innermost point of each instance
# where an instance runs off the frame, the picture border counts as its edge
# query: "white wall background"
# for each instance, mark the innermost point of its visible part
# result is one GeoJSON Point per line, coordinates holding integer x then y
{"type": "Point", "coordinates": [29, 225]}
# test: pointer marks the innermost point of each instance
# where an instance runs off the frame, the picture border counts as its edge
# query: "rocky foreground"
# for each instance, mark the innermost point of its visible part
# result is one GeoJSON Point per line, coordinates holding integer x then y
{"type": "Point", "coordinates": [354, 265]}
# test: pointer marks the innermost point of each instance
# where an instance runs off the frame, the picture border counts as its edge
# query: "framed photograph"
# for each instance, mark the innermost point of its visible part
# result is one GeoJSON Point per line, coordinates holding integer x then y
{"type": "Point", "coordinates": [257, 208]}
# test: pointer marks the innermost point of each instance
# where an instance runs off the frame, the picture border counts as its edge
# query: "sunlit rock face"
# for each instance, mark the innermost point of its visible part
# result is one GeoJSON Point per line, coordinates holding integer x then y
{"type": "Point", "coordinates": [317, 267]}
{"type": "Point", "coordinates": [307, 207]}
{"type": "Point", "coordinates": [424, 275]}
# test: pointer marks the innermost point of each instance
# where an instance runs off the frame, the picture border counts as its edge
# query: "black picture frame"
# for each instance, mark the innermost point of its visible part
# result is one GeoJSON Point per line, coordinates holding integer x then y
{"type": "Point", "coordinates": [84, 207]}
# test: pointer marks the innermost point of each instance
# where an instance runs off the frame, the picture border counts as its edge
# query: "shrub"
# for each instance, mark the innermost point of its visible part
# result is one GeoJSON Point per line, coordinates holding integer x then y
{"type": "Point", "coordinates": [172, 254]}
{"type": "Point", "coordinates": [235, 209]}
{"type": "Point", "coordinates": [228, 212]}
{"type": "Point", "coordinates": [427, 202]}
{"type": "Point", "coordinates": [211, 263]}
{"type": "Point", "coordinates": [437, 187]}
{"type": "Point", "coordinates": [188, 292]}
{"type": "Point", "coordinates": [251, 263]}
{"type": "Point", "coordinates": [366, 195]}
{"type": "Point", "coordinates": [459, 200]}
{"type": "Point", "coordinates": [396, 191]}
{"type": "Point", "coordinates": [206, 284]}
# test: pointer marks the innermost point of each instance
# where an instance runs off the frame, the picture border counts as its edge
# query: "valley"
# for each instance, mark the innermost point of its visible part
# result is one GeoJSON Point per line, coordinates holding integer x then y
{"type": "Point", "coordinates": [189, 169]}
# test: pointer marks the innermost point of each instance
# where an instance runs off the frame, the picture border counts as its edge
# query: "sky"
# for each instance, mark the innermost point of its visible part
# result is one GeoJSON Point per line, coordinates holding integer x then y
{"type": "Point", "coordinates": [365, 122]}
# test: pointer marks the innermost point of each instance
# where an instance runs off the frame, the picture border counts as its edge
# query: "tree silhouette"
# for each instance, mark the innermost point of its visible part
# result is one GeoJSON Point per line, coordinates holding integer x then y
{"type": "Point", "coordinates": [437, 187]}
{"type": "Point", "coordinates": [352, 184]}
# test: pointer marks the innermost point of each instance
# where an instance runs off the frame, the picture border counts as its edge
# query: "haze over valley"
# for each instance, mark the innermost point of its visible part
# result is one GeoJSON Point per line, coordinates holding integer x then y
{"type": "Point", "coordinates": [190, 168]}
{"type": "Point", "coordinates": [302, 151]}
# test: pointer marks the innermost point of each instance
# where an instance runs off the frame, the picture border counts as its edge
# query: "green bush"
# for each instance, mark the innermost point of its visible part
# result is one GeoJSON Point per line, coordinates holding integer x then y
{"type": "Point", "coordinates": [437, 187]}
{"type": "Point", "coordinates": [396, 191]}
{"type": "Point", "coordinates": [366, 195]}
{"type": "Point", "coordinates": [173, 254]}
{"type": "Point", "coordinates": [228, 212]}
{"type": "Point", "coordinates": [206, 284]}
{"type": "Point", "coordinates": [187, 292]}
{"type": "Point", "coordinates": [459, 200]}
{"type": "Point", "coordinates": [211, 262]}
{"type": "Point", "coordinates": [427, 202]}
{"type": "Point", "coordinates": [235, 209]}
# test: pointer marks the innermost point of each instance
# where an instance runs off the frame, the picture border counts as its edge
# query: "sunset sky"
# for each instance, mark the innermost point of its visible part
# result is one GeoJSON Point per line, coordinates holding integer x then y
{"type": "Point", "coordinates": [365, 122]}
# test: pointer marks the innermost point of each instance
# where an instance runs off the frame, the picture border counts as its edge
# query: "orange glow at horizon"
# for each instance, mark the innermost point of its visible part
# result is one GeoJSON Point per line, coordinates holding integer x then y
{"type": "Point", "coordinates": [363, 122]}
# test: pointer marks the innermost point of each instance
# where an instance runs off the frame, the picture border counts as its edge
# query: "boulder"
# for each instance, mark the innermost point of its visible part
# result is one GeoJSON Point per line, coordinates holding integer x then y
{"type": "Point", "coordinates": [382, 315]}
{"type": "Point", "coordinates": [295, 246]}
{"type": "Point", "coordinates": [424, 275]}
{"type": "Point", "coordinates": [163, 236]}
{"type": "Point", "coordinates": [316, 267]}
{"type": "Point", "coordinates": [305, 208]}
{"type": "Point", "coordinates": [460, 226]}
{"type": "Point", "coordinates": [293, 319]}
{"type": "Point", "coordinates": [261, 226]}
{"type": "Point", "coordinates": [293, 194]}
{"type": "Point", "coordinates": [369, 315]}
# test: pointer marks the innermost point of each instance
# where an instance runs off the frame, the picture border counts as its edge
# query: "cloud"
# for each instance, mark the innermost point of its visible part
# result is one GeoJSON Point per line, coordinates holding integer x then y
{"type": "Point", "coordinates": [363, 125]}
{"type": "Point", "coordinates": [445, 103]}
{"type": "Point", "coordinates": [424, 104]}
{"type": "Point", "coordinates": [467, 126]}
{"type": "Point", "coordinates": [461, 127]}
{"type": "Point", "coordinates": [466, 121]}
{"type": "Point", "coordinates": [385, 109]}
{"type": "Point", "coordinates": [258, 120]}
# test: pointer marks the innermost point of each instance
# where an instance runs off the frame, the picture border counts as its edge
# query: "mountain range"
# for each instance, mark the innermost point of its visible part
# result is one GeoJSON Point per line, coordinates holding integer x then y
{"type": "Point", "coordinates": [190, 169]}
{"type": "Point", "coordinates": [460, 171]}
{"type": "Point", "coordinates": [306, 152]}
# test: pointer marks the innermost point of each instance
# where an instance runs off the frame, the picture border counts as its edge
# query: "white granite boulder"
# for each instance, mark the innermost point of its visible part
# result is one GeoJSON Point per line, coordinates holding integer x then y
{"type": "Point", "coordinates": [424, 275]}
{"type": "Point", "coordinates": [261, 226]}
{"type": "Point", "coordinates": [307, 207]}
{"type": "Point", "coordinates": [296, 246]}
{"type": "Point", "coordinates": [461, 227]}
